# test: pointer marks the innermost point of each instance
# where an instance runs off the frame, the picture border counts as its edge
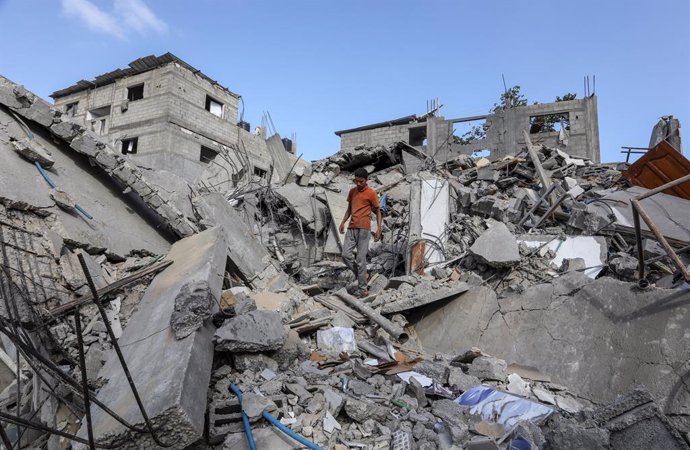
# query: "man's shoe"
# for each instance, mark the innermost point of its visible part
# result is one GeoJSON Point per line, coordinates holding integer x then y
{"type": "Point", "coordinates": [362, 293]}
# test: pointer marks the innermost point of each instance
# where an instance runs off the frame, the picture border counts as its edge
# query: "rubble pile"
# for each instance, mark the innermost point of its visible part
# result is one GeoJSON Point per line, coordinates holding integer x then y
{"type": "Point", "coordinates": [505, 309]}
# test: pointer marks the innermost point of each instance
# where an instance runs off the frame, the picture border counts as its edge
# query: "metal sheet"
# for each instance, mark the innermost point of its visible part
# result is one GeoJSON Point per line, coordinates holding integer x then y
{"type": "Point", "coordinates": [659, 166]}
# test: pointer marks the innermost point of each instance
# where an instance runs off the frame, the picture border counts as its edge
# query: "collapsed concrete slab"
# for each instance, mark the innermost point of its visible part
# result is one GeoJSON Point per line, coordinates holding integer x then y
{"type": "Point", "coordinates": [244, 250]}
{"type": "Point", "coordinates": [497, 247]}
{"type": "Point", "coordinates": [634, 421]}
{"type": "Point", "coordinates": [171, 375]}
{"type": "Point", "coordinates": [600, 337]}
{"type": "Point", "coordinates": [120, 224]}
{"type": "Point", "coordinates": [310, 211]}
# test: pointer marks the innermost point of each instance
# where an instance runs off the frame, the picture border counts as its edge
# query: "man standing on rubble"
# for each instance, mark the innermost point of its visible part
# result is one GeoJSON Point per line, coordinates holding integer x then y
{"type": "Point", "coordinates": [362, 200]}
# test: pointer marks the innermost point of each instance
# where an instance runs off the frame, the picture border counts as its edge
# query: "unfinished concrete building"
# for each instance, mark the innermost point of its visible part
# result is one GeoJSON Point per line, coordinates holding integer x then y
{"type": "Point", "coordinates": [166, 115]}
{"type": "Point", "coordinates": [576, 131]}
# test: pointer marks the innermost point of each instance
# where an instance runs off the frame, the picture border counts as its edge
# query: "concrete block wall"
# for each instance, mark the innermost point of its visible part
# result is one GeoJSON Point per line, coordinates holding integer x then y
{"type": "Point", "coordinates": [504, 136]}
{"type": "Point", "coordinates": [378, 136]}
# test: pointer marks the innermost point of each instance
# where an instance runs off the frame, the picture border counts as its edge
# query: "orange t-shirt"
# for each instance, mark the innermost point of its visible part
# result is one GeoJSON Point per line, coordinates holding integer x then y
{"type": "Point", "coordinates": [361, 205]}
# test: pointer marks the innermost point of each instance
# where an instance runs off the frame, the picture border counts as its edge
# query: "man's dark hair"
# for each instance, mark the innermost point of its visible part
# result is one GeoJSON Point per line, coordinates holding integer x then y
{"type": "Point", "coordinates": [362, 173]}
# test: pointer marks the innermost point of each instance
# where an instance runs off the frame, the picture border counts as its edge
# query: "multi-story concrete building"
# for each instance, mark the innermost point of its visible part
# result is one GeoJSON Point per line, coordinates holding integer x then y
{"type": "Point", "coordinates": [164, 114]}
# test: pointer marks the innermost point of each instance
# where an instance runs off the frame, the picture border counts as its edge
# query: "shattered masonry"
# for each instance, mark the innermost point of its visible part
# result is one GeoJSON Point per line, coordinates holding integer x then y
{"type": "Point", "coordinates": [510, 282]}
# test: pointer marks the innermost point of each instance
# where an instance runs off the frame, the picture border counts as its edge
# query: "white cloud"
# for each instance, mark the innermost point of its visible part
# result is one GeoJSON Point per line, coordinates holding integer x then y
{"type": "Point", "coordinates": [93, 17]}
{"type": "Point", "coordinates": [138, 16]}
{"type": "Point", "coordinates": [127, 15]}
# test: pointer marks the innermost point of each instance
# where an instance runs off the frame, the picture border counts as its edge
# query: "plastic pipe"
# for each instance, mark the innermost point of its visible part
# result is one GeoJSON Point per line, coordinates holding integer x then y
{"type": "Point", "coordinates": [54, 186]}
{"type": "Point", "coordinates": [245, 420]}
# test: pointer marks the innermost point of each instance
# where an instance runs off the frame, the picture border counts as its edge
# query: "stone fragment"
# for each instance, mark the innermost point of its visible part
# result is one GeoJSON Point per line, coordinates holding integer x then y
{"type": "Point", "coordinates": [488, 368]}
{"type": "Point", "coordinates": [517, 385]}
{"type": "Point", "coordinates": [544, 396]}
{"type": "Point", "coordinates": [293, 349]}
{"type": "Point", "coordinates": [497, 247]}
{"type": "Point", "coordinates": [256, 331]}
{"type": "Point", "coordinates": [460, 380]}
{"type": "Point", "coordinates": [329, 423]}
{"type": "Point", "coordinates": [624, 265]}
{"type": "Point", "coordinates": [334, 400]}
{"type": "Point", "coordinates": [255, 362]}
{"type": "Point", "coordinates": [254, 405]}
{"type": "Point", "coordinates": [34, 152]}
{"type": "Point", "coordinates": [193, 304]}
{"type": "Point", "coordinates": [434, 370]}
{"type": "Point", "coordinates": [360, 410]}
{"type": "Point", "coordinates": [62, 199]}
{"type": "Point", "coordinates": [568, 404]}
{"type": "Point", "coordinates": [454, 417]}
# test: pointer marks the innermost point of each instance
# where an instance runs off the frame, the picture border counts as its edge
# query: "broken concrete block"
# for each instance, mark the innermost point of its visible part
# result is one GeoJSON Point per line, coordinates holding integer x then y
{"type": "Point", "coordinates": [171, 375]}
{"type": "Point", "coordinates": [454, 417]}
{"type": "Point", "coordinates": [264, 438]}
{"type": "Point", "coordinates": [88, 143]}
{"type": "Point", "coordinates": [195, 302]}
{"type": "Point", "coordinates": [62, 199]}
{"type": "Point", "coordinates": [257, 331]}
{"type": "Point", "coordinates": [497, 247]}
{"type": "Point", "coordinates": [334, 401]}
{"type": "Point", "coordinates": [254, 405]}
{"type": "Point", "coordinates": [460, 380]}
{"type": "Point", "coordinates": [361, 410]}
{"type": "Point", "coordinates": [488, 368]}
{"type": "Point", "coordinates": [34, 152]}
{"type": "Point", "coordinates": [624, 265]}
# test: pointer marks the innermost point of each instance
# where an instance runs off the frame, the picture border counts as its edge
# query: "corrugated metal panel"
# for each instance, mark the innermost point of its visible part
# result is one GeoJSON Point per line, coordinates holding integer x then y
{"type": "Point", "coordinates": [137, 66]}
{"type": "Point", "coordinates": [659, 166]}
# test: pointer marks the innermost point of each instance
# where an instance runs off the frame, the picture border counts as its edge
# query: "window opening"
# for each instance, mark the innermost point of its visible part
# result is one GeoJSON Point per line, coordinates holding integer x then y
{"type": "Point", "coordinates": [135, 92]}
{"type": "Point", "coordinates": [206, 155]}
{"type": "Point", "coordinates": [72, 109]}
{"type": "Point", "coordinates": [545, 123]}
{"type": "Point", "coordinates": [129, 146]}
{"type": "Point", "coordinates": [214, 106]}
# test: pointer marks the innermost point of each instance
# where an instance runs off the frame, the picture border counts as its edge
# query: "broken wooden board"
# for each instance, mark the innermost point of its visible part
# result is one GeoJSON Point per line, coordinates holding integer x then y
{"type": "Point", "coordinates": [659, 166]}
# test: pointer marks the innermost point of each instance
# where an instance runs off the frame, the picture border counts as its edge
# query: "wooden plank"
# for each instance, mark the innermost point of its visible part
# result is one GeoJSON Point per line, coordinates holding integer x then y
{"type": "Point", "coordinates": [155, 268]}
{"type": "Point", "coordinates": [545, 179]}
{"type": "Point", "coordinates": [659, 166]}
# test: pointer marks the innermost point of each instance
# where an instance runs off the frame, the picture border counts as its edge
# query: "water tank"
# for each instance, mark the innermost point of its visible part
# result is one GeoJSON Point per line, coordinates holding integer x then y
{"type": "Point", "coordinates": [244, 125]}
{"type": "Point", "coordinates": [287, 143]}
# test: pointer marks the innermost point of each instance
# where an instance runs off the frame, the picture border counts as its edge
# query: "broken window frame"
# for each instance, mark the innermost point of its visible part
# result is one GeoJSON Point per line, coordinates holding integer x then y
{"type": "Point", "coordinates": [72, 109]}
{"type": "Point", "coordinates": [135, 92]}
{"type": "Point", "coordinates": [129, 146]}
{"type": "Point", "coordinates": [209, 106]}
{"type": "Point", "coordinates": [204, 154]}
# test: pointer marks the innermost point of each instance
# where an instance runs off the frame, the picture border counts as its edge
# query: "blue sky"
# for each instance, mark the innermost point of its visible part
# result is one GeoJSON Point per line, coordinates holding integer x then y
{"type": "Point", "coordinates": [321, 66]}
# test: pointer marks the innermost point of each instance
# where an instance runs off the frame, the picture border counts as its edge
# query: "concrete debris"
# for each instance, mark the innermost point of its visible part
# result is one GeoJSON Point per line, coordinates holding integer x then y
{"type": "Point", "coordinates": [497, 247]}
{"type": "Point", "coordinates": [512, 276]}
{"type": "Point", "coordinates": [255, 331]}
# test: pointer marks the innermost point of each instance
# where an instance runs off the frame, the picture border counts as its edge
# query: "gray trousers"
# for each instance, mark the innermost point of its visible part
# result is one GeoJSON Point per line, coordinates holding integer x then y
{"type": "Point", "coordinates": [357, 238]}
